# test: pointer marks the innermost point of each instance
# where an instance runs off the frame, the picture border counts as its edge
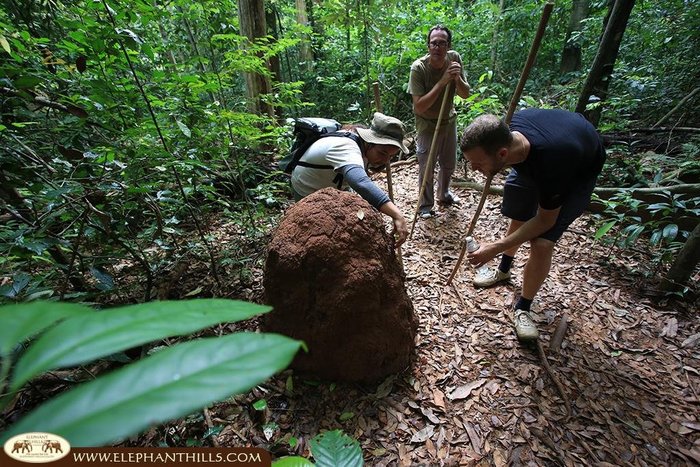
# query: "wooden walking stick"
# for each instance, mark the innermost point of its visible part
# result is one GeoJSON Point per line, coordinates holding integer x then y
{"type": "Point", "coordinates": [389, 185]}
{"type": "Point", "coordinates": [431, 156]}
{"type": "Point", "coordinates": [470, 231]}
{"type": "Point", "coordinates": [546, 13]}
{"type": "Point", "coordinates": [378, 105]}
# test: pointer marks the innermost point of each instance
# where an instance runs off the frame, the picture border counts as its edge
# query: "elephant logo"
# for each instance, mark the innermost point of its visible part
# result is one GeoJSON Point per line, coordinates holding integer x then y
{"type": "Point", "coordinates": [51, 446]}
{"type": "Point", "coordinates": [37, 447]}
{"type": "Point", "coordinates": [24, 445]}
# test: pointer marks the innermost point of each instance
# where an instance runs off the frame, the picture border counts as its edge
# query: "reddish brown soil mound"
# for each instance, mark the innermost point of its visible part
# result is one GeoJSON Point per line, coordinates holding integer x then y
{"type": "Point", "coordinates": [335, 282]}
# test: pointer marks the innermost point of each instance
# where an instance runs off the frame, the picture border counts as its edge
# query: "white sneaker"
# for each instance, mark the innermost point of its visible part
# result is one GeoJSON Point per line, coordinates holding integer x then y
{"type": "Point", "coordinates": [490, 278]}
{"type": "Point", "coordinates": [525, 328]}
{"type": "Point", "coordinates": [451, 199]}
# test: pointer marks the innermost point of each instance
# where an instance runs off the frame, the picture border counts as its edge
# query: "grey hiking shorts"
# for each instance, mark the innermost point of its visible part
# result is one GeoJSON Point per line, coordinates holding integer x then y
{"type": "Point", "coordinates": [520, 196]}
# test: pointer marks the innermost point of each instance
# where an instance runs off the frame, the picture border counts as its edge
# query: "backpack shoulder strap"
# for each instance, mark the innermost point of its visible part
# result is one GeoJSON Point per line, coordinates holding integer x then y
{"type": "Point", "coordinates": [343, 133]}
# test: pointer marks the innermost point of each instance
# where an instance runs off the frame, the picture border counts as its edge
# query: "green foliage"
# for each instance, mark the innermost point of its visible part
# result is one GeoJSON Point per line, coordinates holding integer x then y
{"type": "Point", "coordinates": [118, 124]}
{"type": "Point", "coordinates": [329, 449]}
{"type": "Point", "coordinates": [629, 219]}
{"type": "Point", "coordinates": [689, 167]}
{"type": "Point", "coordinates": [657, 65]}
{"type": "Point", "coordinates": [170, 383]}
{"type": "Point", "coordinates": [293, 461]}
{"type": "Point", "coordinates": [336, 449]}
{"type": "Point", "coordinates": [650, 169]}
{"type": "Point", "coordinates": [97, 335]}
{"type": "Point", "coordinates": [663, 220]}
{"type": "Point", "coordinates": [20, 322]}
{"type": "Point", "coordinates": [260, 405]}
{"type": "Point", "coordinates": [483, 99]}
{"type": "Point", "coordinates": [123, 127]}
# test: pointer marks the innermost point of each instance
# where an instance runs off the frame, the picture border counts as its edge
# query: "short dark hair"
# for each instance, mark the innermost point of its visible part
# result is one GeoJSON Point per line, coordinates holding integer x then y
{"type": "Point", "coordinates": [440, 27]}
{"type": "Point", "coordinates": [486, 131]}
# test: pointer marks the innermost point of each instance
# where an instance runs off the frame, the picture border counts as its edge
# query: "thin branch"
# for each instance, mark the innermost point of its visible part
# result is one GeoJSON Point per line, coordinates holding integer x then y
{"type": "Point", "coordinates": [559, 333]}
{"type": "Point", "coordinates": [553, 377]}
{"type": "Point", "coordinates": [678, 106]}
{"type": "Point", "coordinates": [44, 102]}
{"type": "Point", "coordinates": [687, 129]}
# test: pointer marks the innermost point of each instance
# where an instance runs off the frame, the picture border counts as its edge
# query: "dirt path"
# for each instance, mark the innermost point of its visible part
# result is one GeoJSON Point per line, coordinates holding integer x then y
{"type": "Point", "coordinates": [629, 366]}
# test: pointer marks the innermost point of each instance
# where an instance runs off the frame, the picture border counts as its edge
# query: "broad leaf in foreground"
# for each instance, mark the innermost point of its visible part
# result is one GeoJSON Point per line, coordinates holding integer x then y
{"type": "Point", "coordinates": [98, 334]}
{"type": "Point", "coordinates": [171, 383]}
{"type": "Point", "coordinates": [22, 321]}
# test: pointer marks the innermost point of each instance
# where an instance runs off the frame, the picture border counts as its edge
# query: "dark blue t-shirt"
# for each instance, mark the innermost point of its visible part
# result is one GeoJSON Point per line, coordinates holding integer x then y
{"type": "Point", "coordinates": [565, 152]}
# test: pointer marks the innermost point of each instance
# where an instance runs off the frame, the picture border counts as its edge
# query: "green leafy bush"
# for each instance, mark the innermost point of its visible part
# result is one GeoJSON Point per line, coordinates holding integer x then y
{"type": "Point", "coordinates": [626, 220]}
{"type": "Point", "coordinates": [170, 383]}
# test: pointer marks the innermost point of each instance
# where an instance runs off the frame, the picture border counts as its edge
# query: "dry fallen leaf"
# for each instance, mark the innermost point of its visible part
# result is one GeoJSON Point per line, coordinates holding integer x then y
{"type": "Point", "coordinates": [464, 391]}
{"type": "Point", "coordinates": [430, 415]}
{"type": "Point", "coordinates": [671, 328]}
{"type": "Point", "coordinates": [439, 399]}
{"type": "Point", "coordinates": [691, 341]}
{"type": "Point", "coordinates": [634, 397]}
{"type": "Point", "coordinates": [422, 435]}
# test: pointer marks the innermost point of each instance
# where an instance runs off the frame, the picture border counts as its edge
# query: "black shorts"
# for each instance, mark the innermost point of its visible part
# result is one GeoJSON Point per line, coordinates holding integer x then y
{"type": "Point", "coordinates": [520, 202]}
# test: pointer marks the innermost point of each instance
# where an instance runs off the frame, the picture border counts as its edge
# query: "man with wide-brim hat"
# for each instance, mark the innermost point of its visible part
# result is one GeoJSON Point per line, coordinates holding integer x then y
{"type": "Point", "coordinates": [385, 130]}
{"type": "Point", "coordinates": [341, 160]}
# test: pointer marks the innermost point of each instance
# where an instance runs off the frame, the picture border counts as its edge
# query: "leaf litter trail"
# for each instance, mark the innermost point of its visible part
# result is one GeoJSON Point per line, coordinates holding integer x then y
{"type": "Point", "coordinates": [629, 365]}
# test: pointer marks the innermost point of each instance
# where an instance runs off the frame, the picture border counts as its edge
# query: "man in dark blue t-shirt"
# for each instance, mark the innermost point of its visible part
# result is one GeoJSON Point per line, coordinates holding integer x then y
{"type": "Point", "coordinates": [555, 157]}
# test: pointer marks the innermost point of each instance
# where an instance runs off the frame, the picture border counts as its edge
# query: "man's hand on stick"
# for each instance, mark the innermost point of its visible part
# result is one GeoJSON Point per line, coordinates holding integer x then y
{"type": "Point", "coordinates": [453, 73]}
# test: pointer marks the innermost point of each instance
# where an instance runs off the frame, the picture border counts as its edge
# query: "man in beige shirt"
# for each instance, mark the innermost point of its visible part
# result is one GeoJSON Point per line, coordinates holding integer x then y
{"type": "Point", "coordinates": [437, 72]}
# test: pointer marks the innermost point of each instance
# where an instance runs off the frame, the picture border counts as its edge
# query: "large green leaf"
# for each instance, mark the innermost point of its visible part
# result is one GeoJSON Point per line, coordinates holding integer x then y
{"type": "Point", "coordinates": [169, 384]}
{"type": "Point", "coordinates": [22, 321]}
{"type": "Point", "coordinates": [336, 449]}
{"type": "Point", "coordinates": [292, 461]}
{"type": "Point", "coordinates": [604, 229]}
{"type": "Point", "coordinates": [85, 338]}
{"type": "Point", "coordinates": [670, 232]}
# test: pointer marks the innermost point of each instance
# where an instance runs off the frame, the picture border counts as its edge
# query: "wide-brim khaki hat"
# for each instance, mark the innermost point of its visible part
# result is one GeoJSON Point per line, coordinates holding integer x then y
{"type": "Point", "coordinates": [384, 130]}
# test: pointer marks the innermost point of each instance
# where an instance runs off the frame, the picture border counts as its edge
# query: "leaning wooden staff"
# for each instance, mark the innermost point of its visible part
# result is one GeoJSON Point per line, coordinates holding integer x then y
{"type": "Point", "coordinates": [431, 155]}
{"type": "Point", "coordinates": [389, 184]}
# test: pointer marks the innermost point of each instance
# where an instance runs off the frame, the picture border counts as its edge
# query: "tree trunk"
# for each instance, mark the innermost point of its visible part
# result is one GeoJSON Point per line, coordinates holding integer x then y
{"type": "Point", "coordinates": [685, 263]}
{"type": "Point", "coordinates": [599, 77]}
{"type": "Point", "coordinates": [306, 56]}
{"type": "Point", "coordinates": [317, 26]}
{"type": "Point", "coordinates": [494, 40]}
{"type": "Point", "coordinates": [571, 55]}
{"type": "Point", "coordinates": [251, 16]}
{"type": "Point", "coordinates": [275, 66]}
{"type": "Point", "coordinates": [164, 37]}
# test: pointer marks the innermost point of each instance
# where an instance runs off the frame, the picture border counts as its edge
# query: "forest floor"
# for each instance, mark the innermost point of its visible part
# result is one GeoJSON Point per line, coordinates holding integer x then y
{"type": "Point", "coordinates": [629, 364]}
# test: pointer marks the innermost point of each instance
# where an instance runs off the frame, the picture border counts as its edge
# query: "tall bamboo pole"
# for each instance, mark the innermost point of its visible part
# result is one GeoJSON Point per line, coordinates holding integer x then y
{"type": "Point", "coordinates": [546, 13]}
